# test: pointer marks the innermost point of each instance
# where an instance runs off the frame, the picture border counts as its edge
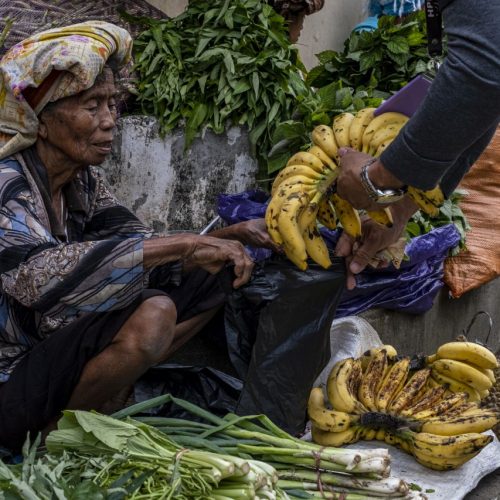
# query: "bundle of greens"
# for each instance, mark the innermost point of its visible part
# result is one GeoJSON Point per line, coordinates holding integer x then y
{"type": "Point", "coordinates": [219, 62]}
{"type": "Point", "coordinates": [146, 457]}
{"type": "Point", "coordinates": [304, 469]}
{"type": "Point", "coordinates": [102, 457]}
{"type": "Point", "coordinates": [384, 59]}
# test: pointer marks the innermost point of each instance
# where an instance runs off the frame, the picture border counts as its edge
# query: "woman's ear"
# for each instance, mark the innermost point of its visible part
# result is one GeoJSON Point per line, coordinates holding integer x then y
{"type": "Point", "coordinates": [42, 125]}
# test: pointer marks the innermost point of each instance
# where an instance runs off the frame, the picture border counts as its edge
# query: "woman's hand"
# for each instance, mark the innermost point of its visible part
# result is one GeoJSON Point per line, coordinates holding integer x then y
{"type": "Point", "coordinates": [252, 232]}
{"type": "Point", "coordinates": [376, 237]}
{"type": "Point", "coordinates": [206, 252]}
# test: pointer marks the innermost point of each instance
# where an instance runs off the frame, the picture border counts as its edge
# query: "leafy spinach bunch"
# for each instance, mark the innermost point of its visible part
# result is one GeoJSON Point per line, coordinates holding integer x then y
{"type": "Point", "coordinates": [220, 61]}
{"type": "Point", "coordinates": [384, 59]}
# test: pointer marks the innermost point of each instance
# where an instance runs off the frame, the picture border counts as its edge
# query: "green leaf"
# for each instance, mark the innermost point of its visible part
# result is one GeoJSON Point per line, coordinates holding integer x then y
{"type": "Point", "coordinates": [194, 122]}
{"type": "Point", "coordinates": [398, 45]}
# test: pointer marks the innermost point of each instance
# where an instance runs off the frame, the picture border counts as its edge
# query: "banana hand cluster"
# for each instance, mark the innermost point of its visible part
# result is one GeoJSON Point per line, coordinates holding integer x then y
{"type": "Point", "coordinates": [303, 192]}
{"type": "Point", "coordinates": [378, 396]}
{"type": "Point", "coordinates": [464, 367]}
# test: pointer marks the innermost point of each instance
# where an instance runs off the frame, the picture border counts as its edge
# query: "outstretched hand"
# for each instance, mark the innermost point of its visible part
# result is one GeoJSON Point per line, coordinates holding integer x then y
{"type": "Point", "coordinates": [251, 232]}
{"type": "Point", "coordinates": [376, 237]}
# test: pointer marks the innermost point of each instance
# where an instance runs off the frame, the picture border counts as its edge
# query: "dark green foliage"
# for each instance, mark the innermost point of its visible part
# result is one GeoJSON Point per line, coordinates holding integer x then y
{"type": "Point", "coordinates": [220, 62]}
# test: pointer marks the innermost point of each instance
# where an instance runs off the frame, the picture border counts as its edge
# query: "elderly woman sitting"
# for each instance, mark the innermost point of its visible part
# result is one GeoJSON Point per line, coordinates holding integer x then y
{"type": "Point", "coordinates": [90, 298]}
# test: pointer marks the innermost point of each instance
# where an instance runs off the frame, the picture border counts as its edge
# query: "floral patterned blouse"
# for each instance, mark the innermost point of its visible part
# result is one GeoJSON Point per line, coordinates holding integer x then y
{"type": "Point", "coordinates": [48, 281]}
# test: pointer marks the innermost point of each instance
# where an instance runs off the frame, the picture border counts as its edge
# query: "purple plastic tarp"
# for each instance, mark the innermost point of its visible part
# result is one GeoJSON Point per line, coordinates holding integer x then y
{"type": "Point", "coordinates": [412, 288]}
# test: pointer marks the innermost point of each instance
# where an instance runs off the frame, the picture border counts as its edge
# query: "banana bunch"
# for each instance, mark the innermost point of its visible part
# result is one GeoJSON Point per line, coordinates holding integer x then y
{"type": "Point", "coordinates": [464, 367]}
{"type": "Point", "coordinates": [303, 193]}
{"type": "Point", "coordinates": [379, 396]}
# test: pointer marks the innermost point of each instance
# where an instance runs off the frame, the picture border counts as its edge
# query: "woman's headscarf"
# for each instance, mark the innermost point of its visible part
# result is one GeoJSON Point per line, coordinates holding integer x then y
{"type": "Point", "coordinates": [49, 66]}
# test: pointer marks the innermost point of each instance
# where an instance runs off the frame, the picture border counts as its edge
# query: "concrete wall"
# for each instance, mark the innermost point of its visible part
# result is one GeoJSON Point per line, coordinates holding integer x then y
{"type": "Point", "coordinates": [168, 188]}
{"type": "Point", "coordinates": [329, 28]}
{"type": "Point", "coordinates": [326, 29]}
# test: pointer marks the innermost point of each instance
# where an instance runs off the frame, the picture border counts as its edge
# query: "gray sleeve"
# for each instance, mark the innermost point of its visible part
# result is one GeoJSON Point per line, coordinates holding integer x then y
{"type": "Point", "coordinates": [463, 103]}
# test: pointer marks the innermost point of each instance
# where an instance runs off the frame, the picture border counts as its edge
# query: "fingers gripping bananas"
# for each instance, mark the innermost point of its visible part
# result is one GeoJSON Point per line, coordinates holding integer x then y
{"type": "Point", "coordinates": [378, 396]}
{"type": "Point", "coordinates": [316, 170]}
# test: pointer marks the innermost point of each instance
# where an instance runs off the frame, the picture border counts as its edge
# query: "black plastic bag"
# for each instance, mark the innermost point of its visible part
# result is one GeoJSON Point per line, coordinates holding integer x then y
{"type": "Point", "coordinates": [207, 387]}
{"type": "Point", "coordinates": [278, 333]}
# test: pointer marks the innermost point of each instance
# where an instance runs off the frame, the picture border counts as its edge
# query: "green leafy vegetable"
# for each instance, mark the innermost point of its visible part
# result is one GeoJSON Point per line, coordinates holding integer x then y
{"type": "Point", "coordinates": [384, 59]}
{"type": "Point", "coordinates": [219, 63]}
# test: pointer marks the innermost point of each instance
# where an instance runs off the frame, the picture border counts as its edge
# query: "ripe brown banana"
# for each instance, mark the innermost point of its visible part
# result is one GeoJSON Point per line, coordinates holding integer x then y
{"type": "Point", "coordinates": [372, 380]}
{"type": "Point", "coordinates": [396, 376]}
{"type": "Point", "coordinates": [411, 389]}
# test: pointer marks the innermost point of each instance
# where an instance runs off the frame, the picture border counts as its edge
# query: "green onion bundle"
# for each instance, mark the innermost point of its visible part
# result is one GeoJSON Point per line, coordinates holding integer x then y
{"type": "Point", "coordinates": [304, 469]}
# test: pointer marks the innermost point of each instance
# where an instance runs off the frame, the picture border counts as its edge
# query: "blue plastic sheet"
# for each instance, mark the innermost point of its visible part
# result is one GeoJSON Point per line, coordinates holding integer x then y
{"type": "Point", "coordinates": [412, 288]}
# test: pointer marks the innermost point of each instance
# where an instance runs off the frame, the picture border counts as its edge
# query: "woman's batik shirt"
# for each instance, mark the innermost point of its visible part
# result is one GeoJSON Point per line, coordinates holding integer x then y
{"type": "Point", "coordinates": [47, 282]}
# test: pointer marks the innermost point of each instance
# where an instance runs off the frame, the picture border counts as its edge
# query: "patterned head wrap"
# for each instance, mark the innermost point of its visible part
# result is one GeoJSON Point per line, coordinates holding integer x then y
{"type": "Point", "coordinates": [49, 66]}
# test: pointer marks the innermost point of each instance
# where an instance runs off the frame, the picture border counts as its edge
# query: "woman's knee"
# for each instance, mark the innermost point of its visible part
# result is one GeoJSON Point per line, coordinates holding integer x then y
{"type": "Point", "coordinates": [152, 328]}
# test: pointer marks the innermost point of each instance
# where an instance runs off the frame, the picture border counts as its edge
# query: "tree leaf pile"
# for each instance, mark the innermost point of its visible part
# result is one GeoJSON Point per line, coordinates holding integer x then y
{"type": "Point", "coordinates": [219, 62]}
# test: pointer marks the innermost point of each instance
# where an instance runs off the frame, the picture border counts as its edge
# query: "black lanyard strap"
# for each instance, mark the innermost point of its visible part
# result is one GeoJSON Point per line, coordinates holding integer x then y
{"type": "Point", "coordinates": [434, 28]}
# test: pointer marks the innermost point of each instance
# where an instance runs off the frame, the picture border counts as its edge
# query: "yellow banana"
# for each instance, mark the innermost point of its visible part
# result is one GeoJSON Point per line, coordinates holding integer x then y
{"type": "Point", "coordinates": [456, 386]}
{"type": "Point", "coordinates": [470, 352]}
{"type": "Point", "coordinates": [321, 417]}
{"type": "Point", "coordinates": [383, 134]}
{"type": "Point", "coordinates": [463, 372]}
{"type": "Point", "coordinates": [445, 425]}
{"type": "Point", "coordinates": [347, 215]}
{"type": "Point", "coordinates": [380, 435]}
{"type": "Point", "coordinates": [447, 404]}
{"type": "Point", "coordinates": [326, 160]}
{"type": "Point", "coordinates": [326, 213]}
{"type": "Point", "coordinates": [440, 463]}
{"type": "Point", "coordinates": [372, 380]}
{"type": "Point", "coordinates": [368, 355]}
{"type": "Point", "coordinates": [429, 399]}
{"type": "Point", "coordinates": [308, 159]}
{"type": "Point", "coordinates": [450, 446]}
{"type": "Point", "coordinates": [430, 359]}
{"type": "Point", "coordinates": [324, 438]}
{"type": "Point", "coordinates": [410, 390]}
{"type": "Point", "coordinates": [273, 209]}
{"type": "Point", "coordinates": [316, 247]}
{"type": "Point", "coordinates": [342, 386]}
{"type": "Point", "coordinates": [323, 137]}
{"type": "Point", "coordinates": [462, 409]}
{"type": "Point", "coordinates": [383, 216]}
{"type": "Point", "coordinates": [395, 377]}
{"type": "Point", "coordinates": [368, 434]}
{"type": "Point", "coordinates": [358, 125]}
{"type": "Point", "coordinates": [382, 148]}
{"type": "Point", "coordinates": [341, 127]}
{"type": "Point", "coordinates": [427, 201]}
{"type": "Point", "coordinates": [293, 242]}
{"type": "Point", "coordinates": [378, 122]}
{"type": "Point", "coordinates": [296, 171]}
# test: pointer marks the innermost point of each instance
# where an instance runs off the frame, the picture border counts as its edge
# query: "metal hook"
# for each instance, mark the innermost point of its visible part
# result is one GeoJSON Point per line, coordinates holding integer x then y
{"type": "Point", "coordinates": [466, 331]}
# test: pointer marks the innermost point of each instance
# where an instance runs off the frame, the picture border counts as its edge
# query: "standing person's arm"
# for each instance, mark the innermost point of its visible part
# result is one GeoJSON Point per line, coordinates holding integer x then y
{"type": "Point", "coordinates": [462, 107]}
{"type": "Point", "coordinates": [457, 118]}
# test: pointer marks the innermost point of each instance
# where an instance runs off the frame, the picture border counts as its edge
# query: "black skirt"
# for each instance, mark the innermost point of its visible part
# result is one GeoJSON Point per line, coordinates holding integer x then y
{"type": "Point", "coordinates": [41, 385]}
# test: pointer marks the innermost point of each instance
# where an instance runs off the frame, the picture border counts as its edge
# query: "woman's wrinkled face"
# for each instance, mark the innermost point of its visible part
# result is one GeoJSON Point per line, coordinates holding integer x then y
{"type": "Point", "coordinates": [78, 130]}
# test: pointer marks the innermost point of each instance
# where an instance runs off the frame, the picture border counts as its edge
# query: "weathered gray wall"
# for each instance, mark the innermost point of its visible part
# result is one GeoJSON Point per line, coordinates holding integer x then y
{"type": "Point", "coordinates": [171, 189]}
